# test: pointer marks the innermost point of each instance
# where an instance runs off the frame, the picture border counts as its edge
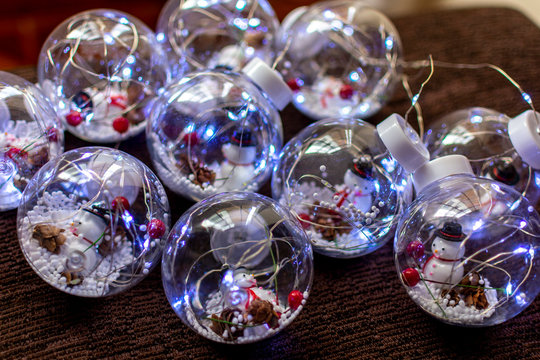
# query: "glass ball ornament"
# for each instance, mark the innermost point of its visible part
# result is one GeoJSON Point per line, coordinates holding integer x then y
{"type": "Point", "coordinates": [217, 131]}
{"type": "Point", "coordinates": [93, 222]}
{"type": "Point", "coordinates": [337, 177]}
{"type": "Point", "coordinates": [341, 58]}
{"type": "Point", "coordinates": [101, 69]}
{"type": "Point", "coordinates": [200, 34]}
{"type": "Point", "coordinates": [494, 144]}
{"type": "Point", "coordinates": [237, 268]}
{"type": "Point", "coordinates": [30, 135]}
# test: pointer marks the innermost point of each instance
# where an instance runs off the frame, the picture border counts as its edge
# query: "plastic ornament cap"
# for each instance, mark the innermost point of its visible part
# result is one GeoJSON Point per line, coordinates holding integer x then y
{"type": "Point", "coordinates": [403, 142]}
{"type": "Point", "coordinates": [439, 169]}
{"type": "Point", "coordinates": [295, 299]}
{"type": "Point", "coordinates": [156, 228]}
{"type": "Point", "coordinates": [269, 81]}
{"type": "Point", "coordinates": [523, 131]}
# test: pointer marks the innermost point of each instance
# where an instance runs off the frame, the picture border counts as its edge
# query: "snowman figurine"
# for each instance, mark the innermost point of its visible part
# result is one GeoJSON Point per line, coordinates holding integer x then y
{"type": "Point", "coordinates": [238, 169]}
{"type": "Point", "coordinates": [444, 267]}
{"type": "Point", "coordinates": [504, 172]}
{"type": "Point", "coordinates": [358, 188]}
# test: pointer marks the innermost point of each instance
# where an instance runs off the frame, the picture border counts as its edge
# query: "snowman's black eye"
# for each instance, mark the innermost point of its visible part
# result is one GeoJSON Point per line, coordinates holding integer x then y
{"type": "Point", "coordinates": [442, 249]}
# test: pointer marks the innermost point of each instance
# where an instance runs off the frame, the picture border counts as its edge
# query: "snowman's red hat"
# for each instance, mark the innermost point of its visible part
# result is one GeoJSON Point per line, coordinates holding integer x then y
{"type": "Point", "coordinates": [243, 138]}
{"type": "Point", "coordinates": [362, 167]}
{"type": "Point", "coordinates": [504, 172]}
{"type": "Point", "coordinates": [451, 231]}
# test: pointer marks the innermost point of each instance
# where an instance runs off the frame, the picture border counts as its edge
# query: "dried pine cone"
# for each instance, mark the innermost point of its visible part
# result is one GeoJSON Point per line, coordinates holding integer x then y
{"type": "Point", "coordinates": [219, 327]}
{"type": "Point", "coordinates": [49, 236]}
{"type": "Point", "coordinates": [263, 313]}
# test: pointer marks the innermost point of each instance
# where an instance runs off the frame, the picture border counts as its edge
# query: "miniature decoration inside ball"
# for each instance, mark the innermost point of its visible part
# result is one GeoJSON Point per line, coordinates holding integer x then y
{"type": "Point", "coordinates": [237, 268]}
{"type": "Point", "coordinates": [100, 69]}
{"type": "Point", "coordinates": [30, 135]}
{"type": "Point", "coordinates": [198, 35]}
{"type": "Point", "coordinates": [484, 137]}
{"type": "Point", "coordinates": [341, 58]}
{"type": "Point", "coordinates": [215, 131]}
{"type": "Point", "coordinates": [93, 221]}
{"type": "Point", "coordinates": [338, 179]}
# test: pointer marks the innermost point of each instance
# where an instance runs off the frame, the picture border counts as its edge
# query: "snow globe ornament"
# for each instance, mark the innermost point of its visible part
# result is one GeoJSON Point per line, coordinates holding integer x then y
{"type": "Point", "coordinates": [237, 268]}
{"type": "Point", "coordinates": [466, 247]}
{"type": "Point", "coordinates": [200, 34]}
{"type": "Point", "coordinates": [499, 147]}
{"type": "Point", "coordinates": [341, 58]}
{"type": "Point", "coordinates": [30, 135]}
{"type": "Point", "coordinates": [217, 131]}
{"type": "Point", "coordinates": [338, 179]}
{"type": "Point", "coordinates": [93, 222]}
{"type": "Point", "coordinates": [101, 69]}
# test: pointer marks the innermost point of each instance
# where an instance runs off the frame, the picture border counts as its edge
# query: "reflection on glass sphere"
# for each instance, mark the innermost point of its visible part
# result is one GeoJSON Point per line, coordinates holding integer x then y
{"type": "Point", "coordinates": [237, 268]}
{"type": "Point", "coordinates": [93, 221]}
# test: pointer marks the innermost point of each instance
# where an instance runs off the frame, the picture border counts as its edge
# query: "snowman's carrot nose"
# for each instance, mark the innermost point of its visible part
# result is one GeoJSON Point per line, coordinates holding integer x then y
{"type": "Point", "coordinates": [436, 251]}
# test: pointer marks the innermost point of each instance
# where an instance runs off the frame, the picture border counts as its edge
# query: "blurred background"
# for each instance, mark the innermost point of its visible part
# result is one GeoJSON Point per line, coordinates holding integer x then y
{"type": "Point", "coordinates": [25, 24]}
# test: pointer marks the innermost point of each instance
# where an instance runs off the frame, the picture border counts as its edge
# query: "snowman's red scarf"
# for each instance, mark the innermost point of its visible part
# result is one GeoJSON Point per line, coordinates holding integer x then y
{"type": "Point", "coordinates": [345, 194]}
{"type": "Point", "coordinates": [439, 258]}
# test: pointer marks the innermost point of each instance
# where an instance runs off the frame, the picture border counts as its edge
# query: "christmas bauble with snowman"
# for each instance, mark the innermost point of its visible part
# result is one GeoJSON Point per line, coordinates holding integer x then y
{"type": "Point", "coordinates": [241, 265]}
{"type": "Point", "coordinates": [338, 179]}
{"type": "Point", "coordinates": [217, 131]}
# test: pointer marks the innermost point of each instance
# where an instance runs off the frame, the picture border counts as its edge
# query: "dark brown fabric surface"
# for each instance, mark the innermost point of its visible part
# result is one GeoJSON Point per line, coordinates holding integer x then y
{"type": "Point", "coordinates": [357, 308]}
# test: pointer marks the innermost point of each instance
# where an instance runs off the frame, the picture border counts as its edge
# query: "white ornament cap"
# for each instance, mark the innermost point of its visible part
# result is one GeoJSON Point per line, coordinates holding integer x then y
{"type": "Point", "coordinates": [524, 135]}
{"type": "Point", "coordinates": [439, 169]}
{"type": "Point", "coordinates": [403, 142]}
{"type": "Point", "coordinates": [270, 81]}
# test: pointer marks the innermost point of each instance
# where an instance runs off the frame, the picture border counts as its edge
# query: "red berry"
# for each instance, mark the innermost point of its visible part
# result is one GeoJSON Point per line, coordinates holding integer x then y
{"type": "Point", "coordinates": [415, 249]}
{"type": "Point", "coordinates": [346, 92]}
{"type": "Point", "coordinates": [410, 276]}
{"type": "Point", "coordinates": [156, 228]}
{"type": "Point", "coordinates": [120, 124]}
{"type": "Point", "coordinates": [52, 134]}
{"type": "Point", "coordinates": [120, 203]}
{"type": "Point", "coordinates": [304, 220]}
{"type": "Point", "coordinates": [13, 153]}
{"type": "Point", "coordinates": [293, 85]}
{"type": "Point", "coordinates": [74, 118]}
{"type": "Point", "coordinates": [295, 299]}
{"type": "Point", "coordinates": [191, 138]}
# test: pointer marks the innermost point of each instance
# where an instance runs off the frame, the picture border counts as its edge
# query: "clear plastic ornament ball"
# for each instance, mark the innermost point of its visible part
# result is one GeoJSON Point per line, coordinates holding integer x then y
{"type": "Point", "coordinates": [486, 138]}
{"type": "Point", "coordinates": [200, 34]}
{"type": "Point", "coordinates": [214, 131]}
{"type": "Point", "coordinates": [467, 251]}
{"type": "Point", "coordinates": [30, 135]}
{"type": "Point", "coordinates": [93, 222]}
{"type": "Point", "coordinates": [237, 268]}
{"type": "Point", "coordinates": [337, 177]}
{"type": "Point", "coordinates": [101, 69]}
{"type": "Point", "coordinates": [341, 58]}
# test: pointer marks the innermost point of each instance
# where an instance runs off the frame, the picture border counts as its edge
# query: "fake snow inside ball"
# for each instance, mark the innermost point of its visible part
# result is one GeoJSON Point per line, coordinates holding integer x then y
{"type": "Point", "coordinates": [486, 138]}
{"type": "Point", "coordinates": [341, 59]}
{"type": "Point", "coordinates": [30, 135]}
{"type": "Point", "coordinates": [237, 268]}
{"type": "Point", "coordinates": [93, 222]}
{"type": "Point", "coordinates": [100, 69]}
{"type": "Point", "coordinates": [337, 177]}
{"type": "Point", "coordinates": [479, 265]}
{"type": "Point", "coordinates": [198, 35]}
{"type": "Point", "coordinates": [214, 131]}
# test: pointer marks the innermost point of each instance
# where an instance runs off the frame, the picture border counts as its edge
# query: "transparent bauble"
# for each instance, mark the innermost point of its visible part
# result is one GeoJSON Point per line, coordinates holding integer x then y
{"type": "Point", "coordinates": [30, 135]}
{"type": "Point", "coordinates": [338, 179]}
{"type": "Point", "coordinates": [466, 250]}
{"type": "Point", "coordinates": [237, 268]}
{"type": "Point", "coordinates": [341, 59]}
{"type": "Point", "coordinates": [101, 69]}
{"type": "Point", "coordinates": [93, 222]}
{"type": "Point", "coordinates": [200, 34]}
{"type": "Point", "coordinates": [214, 131]}
{"type": "Point", "coordinates": [482, 136]}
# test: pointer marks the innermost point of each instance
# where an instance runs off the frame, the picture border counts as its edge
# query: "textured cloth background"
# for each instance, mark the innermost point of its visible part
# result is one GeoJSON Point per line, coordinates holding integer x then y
{"type": "Point", "coordinates": [358, 308]}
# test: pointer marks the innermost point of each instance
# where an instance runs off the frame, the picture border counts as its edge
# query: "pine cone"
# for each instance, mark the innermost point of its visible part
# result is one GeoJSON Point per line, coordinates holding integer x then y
{"type": "Point", "coordinates": [219, 327]}
{"type": "Point", "coordinates": [263, 312]}
{"type": "Point", "coordinates": [50, 237]}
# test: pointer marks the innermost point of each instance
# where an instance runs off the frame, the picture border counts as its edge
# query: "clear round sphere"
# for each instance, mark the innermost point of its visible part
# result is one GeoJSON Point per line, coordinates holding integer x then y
{"type": "Point", "coordinates": [30, 135]}
{"type": "Point", "coordinates": [338, 179]}
{"type": "Point", "coordinates": [341, 59]}
{"type": "Point", "coordinates": [481, 135]}
{"type": "Point", "coordinates": [466, 251]}
{"type": "Point", "coordinates": [237, 268]}
{"type": "Point", "coordinates": [93, 222]}
{"type": "Point", "coordinates": [214, 131]}
{"type": "Point", "coordinates": [200, 34]}
{"type": "Point", "coordinates": [101, 69]}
